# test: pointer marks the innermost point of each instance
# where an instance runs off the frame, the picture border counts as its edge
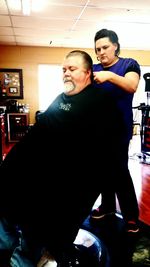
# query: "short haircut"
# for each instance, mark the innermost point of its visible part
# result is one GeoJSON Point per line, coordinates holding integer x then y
{"type": "Point", "coordinates": [87, 60]}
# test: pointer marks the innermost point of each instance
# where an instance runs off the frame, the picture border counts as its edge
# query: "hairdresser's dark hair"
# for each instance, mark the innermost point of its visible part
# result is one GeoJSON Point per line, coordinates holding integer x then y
{"type": "Point", "coordinates": [113, 37]}
{"type": "Point", "coordinates": [88, 62]}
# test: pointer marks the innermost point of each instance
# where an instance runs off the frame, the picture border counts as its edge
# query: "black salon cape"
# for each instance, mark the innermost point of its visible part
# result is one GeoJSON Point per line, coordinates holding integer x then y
{"type": "Point", "coordinates": [52, 177]}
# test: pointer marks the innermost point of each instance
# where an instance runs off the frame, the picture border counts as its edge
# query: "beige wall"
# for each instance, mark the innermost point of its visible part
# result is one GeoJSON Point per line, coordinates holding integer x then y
{"type": "Point", "coordinates": [28, 58]}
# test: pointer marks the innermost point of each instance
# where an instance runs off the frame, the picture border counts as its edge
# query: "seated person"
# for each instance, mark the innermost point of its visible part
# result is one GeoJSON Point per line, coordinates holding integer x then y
{"type": "Point", "coordinates": [46, 188]}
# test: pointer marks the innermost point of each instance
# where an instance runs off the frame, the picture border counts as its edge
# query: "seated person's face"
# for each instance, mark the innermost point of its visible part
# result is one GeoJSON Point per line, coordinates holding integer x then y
{"type": "Point", "coordinates": [75, 75]}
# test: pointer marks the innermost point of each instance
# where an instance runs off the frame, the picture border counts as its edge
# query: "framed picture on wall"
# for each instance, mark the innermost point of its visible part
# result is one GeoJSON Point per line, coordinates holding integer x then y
{"type": "Point", "coordinates": [11, 83]}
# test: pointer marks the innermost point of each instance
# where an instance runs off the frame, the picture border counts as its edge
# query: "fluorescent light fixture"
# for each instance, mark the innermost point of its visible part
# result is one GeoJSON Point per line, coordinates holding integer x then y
{"type": "Point", "coordinates": [15, 5]}
{"type": "Point", "coordinates": [26, 7]}
{"type": "Point", "coordinates": [38, 5]}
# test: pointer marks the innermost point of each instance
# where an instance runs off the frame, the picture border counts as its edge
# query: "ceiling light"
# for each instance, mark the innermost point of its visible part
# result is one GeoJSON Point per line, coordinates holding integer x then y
{"type": "Point", "coordinates": [26, 7]}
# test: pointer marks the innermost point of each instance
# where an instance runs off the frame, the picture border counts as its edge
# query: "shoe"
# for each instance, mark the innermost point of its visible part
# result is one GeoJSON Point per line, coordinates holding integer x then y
{"type": "Point", "coordinates": [100, 212]}
{"type": "Point", "coordinates": [132, 227]}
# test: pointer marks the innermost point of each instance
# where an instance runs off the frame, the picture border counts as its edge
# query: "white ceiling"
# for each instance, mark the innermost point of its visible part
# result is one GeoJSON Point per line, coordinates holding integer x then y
{"type": "Point", "coordinates": [73, 23]}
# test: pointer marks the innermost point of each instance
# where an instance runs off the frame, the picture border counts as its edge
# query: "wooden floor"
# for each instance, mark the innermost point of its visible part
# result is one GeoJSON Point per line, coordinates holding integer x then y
{"type": "Point", "coordinates": [140, 173]}
{"type": "Point", "coordinates": [144, 197]}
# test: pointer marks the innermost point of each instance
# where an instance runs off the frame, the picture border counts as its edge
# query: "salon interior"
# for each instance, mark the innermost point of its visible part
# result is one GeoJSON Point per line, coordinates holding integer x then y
{"type": "Point", "coordinates": [35, 36]}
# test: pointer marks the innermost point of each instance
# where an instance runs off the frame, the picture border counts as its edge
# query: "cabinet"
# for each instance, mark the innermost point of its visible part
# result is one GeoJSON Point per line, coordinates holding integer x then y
{"type": "Point", "coordinates": [17, 126]}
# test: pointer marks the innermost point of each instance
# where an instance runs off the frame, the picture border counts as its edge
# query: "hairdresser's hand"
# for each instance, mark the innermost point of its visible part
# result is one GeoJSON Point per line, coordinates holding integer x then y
{"type": "Point", "coordinates": [102, 76]}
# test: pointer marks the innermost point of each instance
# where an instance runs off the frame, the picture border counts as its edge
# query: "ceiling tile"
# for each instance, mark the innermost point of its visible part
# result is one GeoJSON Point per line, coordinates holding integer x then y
{"type": "Point", "coordinates": [73, 23]}
{"type": "Point", "coordinates": [9, 39]}
{"type": "Point", "coordinates": [5, 21]}
{"type": "Point", "coordinates": [3, 7]}
{"type": "Point", "coordinates": [41, 23]}
{"type": "Point", "coordinates": [6, 31]}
